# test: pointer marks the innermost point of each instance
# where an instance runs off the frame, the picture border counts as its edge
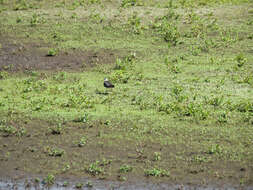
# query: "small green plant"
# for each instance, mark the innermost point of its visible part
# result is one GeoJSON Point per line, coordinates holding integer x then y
{"type": "Point", "coordinates": [65, 184]}
{"type": "Point", "coordinates": [241, 60]}
{"type": "Point", "coordinates": [21, 5]}
{"type": "Point", "coordinates": [21, 132]}
{"type": "Point", "coordinates": [199, 159]}
{"type": "Point", "coordinates": [49, 180]}
{"type": "Point", "coordinates": [60, 76]}
{"type": "Point", "coordinates": [19, 19]}
{"type": "Point", "coordinates": [94, 169]}
{"type": "Point", "coordinates": [96, 17]}
{"type": "Point", "coordinates": [120, 76]}
{"type": "Point", "coordinates": [122, 178]}
{"type": "Point", "coordinates": [37, 180]}
{"type": "Point", "coordinates": [223, 117]}
{"type": "Point", "coordinates": [215, 149]}
{"type": "Point", "coordinates": [157, 172]}
{"type": "Point", "coordinates": [177, 90]}
{"type": "Point", "coordinates": [135, 23]}
{"type": "Point", "coordinates": [55, 152]}
{"type": "Point", "coordinates": [35, 20]}
{"type": "Point", "coordinates": [3, 74]}
{"type": "Point", "coordinates": [168, 28]}
{"type": "Point", "coordinates": [215, 101]}
{"type": "Point", "coordinates": [125, 168]}
{"type": "Point", "coordinates": [126, 63]}
{"type": "Point", "coordinates": [84, 118]}
{"type": "Point", "coordinates": [79, 185]}
{"type": "Point", "coordinates": [243, 106]}
{"type": "Point", "coordinates": [66, 168]}
{"type": "Point", "coordinates": [52, 52]}
{"type": "Point", "coordinates": [105, 162]}
{"type": "Point", "coordinates": [157, 156]}
{"type": "Point", "coordinates": [56, 130]}
{"type": "Point", "coordinates": [82, 142]}
{"type": "Point", "coordinates": [89, 184]}
{"type": "Point", "coordinates": [8, 130]}
{"type": "Point", "coordinates": [127, 3]}
{"type": "Point", "coordinates": [171, 34]}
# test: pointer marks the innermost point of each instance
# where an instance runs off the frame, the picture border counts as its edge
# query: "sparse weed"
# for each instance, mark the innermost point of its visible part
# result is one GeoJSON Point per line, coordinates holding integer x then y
{"type": "Point", "coordinates": [125, 168]}
{"type": "Point", "coordinates": [215, 101]}
{"type": "Point", "coordinates": [55, 152]}
{"type": "Point", "coordinates": [127, 3]}
{"type": "Point", "coordinates": [223, 117]}
{"type": "Point", "coordinates": [243, 106]}
{"type": "Point", "coordinates": [122, 69]}
{"type": "Point", "coordinates": [66, 168]}
{"type": "Point", "coordinates": [227, 36]}
{"type": "Point", "coordinates": [120, 76]}
{"type": "Point", "coordinates": [82, 142]}
{"type": "Point", "coordinates": [84, 118]}
{"type": "Point", "coordinates": [105, 162]}
{"type": "Point", "coordinates": [89, 184]}
{"type": "Point", "coordinates": [157, 172]}
{"type": "Point", "coordinates": [52, 52]}
{"type": "Point", "coordinates": [21, 132]}
{"type": "Point", "coordinates": [89, 2]}
{"type": "Point", "coordinates": [49, 180]}
{"type": "Point", "coordinates": [3, 74]}
{"type": "Point", "coordinates": [8, 130]}
{"type": "Point", "coordinates": [172, 65]}
{"type": "Point", "coordinates": [215, 149]}
{"type": "Point", "coordinates": [79, 185]}
{"type": "Point", "coordinates": [199, 159]}
{"type": "Point", "coordinates": [96, 18]}
{"type": "Point", "coordinates": [168, 29]}
{"type": "Point", "coordinates": [37, 180]}
{"type": "Point", "coordinates": [94, 169]}
{"type": "Point", "coordinates": [19, 19]}
{"type": "Point", "coordinates": [65, 184]}
{"type": "Point", "coordinates": [241, 60]}
{"type": "Point", "coordinates": [135, 23]}
{"type": "Point", "coordinates": [157, 156]}
{"type": "Point", "coordinates": [126, 63]}
{"type": "Point", "coordinates": [56, 130]}
{"type": "Point", "coordinates": [21, 5]}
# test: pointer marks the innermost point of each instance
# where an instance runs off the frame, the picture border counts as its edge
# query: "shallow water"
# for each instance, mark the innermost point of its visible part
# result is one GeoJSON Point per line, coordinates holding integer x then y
{"type": "Point", "coordinates": [30, 184]}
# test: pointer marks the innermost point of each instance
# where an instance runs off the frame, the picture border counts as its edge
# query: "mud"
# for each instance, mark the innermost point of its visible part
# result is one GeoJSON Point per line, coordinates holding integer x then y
{"type": "Point", "coordinates": [65, 184]}
{"type": "Point", "coordinates": [21, 57]}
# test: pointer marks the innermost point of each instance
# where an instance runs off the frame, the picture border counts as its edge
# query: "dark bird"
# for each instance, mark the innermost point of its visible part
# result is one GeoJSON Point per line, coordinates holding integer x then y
{"type": "Point", "coordinates": [108, 84]}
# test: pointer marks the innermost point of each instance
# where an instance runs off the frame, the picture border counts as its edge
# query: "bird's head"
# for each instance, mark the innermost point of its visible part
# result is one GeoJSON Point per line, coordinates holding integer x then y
{"type": "Point", "coordinates": [105, 79]}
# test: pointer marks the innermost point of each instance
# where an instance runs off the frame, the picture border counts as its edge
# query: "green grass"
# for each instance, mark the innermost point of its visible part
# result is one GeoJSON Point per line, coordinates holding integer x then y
{"type": "Point", "coordinates": [184, 83]}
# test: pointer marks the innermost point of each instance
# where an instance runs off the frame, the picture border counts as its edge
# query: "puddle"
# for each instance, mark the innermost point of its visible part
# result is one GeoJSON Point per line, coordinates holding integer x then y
{"type": "Point", "coordinates": [30, 184]}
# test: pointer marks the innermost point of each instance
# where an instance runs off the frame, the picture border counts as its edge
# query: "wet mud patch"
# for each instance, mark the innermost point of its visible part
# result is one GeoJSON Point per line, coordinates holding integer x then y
{"type": "Point", "coordinates": [67, 184]}
{"type": "Point", "coordinates": [22, 57]}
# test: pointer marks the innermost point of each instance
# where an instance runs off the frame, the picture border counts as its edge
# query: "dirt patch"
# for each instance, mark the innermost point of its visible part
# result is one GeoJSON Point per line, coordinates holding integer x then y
{"type": "Point", "coordinates": [22, 57]}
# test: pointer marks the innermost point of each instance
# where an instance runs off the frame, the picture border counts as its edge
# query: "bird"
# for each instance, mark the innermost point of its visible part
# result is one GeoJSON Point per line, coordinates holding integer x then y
{"type": "Point", "coordinates": [108, 84]}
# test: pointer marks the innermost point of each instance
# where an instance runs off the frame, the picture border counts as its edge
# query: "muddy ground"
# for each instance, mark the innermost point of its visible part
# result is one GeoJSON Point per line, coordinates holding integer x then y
{"type": "Point", "coordinates": [16, 56]}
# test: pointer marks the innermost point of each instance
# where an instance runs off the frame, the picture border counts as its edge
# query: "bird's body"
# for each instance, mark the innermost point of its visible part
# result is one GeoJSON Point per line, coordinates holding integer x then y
{"type": "Point", "coordinates": [108, 84]}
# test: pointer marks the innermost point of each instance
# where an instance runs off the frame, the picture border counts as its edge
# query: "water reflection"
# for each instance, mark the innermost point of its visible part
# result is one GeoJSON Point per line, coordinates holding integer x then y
{"type": "Point", "coordinates": [31, 184]}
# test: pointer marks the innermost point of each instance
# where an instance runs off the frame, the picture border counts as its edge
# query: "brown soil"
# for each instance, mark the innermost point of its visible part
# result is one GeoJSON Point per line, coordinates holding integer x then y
{"type": "Point", "coordinates": [22, 57]}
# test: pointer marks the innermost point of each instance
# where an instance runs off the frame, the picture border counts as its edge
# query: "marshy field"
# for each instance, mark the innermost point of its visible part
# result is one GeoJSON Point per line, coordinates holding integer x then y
{"type": "Point", "coordinates": [181, 111]}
